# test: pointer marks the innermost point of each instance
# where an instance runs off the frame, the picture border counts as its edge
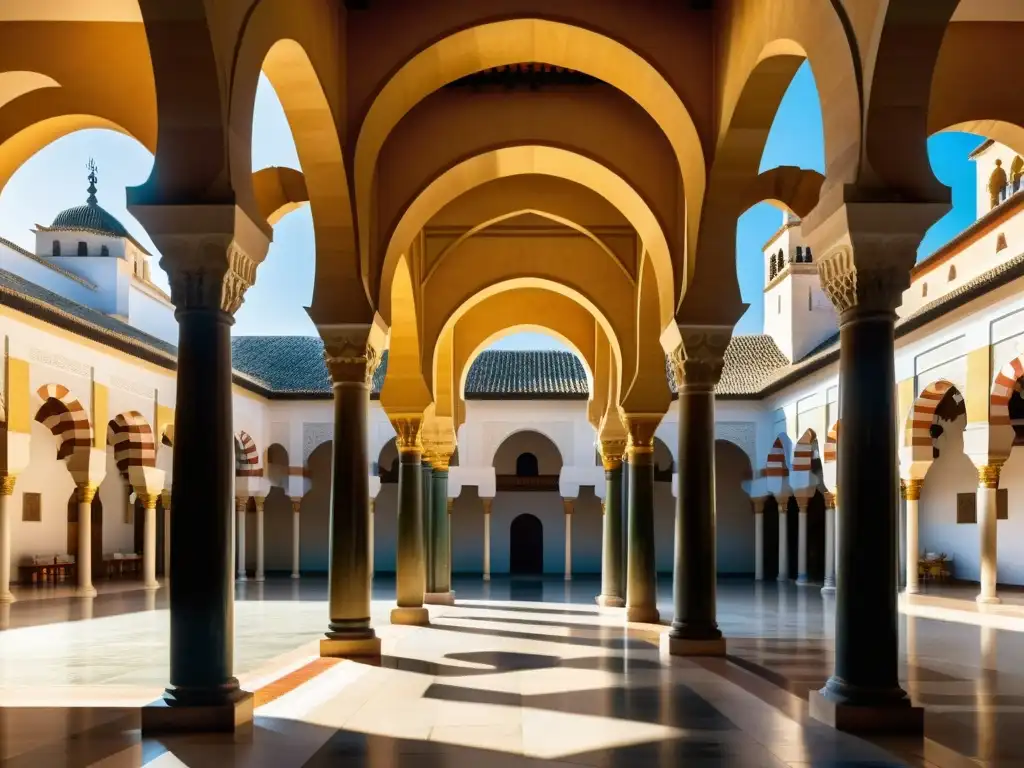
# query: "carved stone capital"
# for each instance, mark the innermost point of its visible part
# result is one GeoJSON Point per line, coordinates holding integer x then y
{"type": "Point", "coordinates": [440, 457]}
{"type": "Point", "coordinates": [350, 353]}
{"type": "Point", "coordinates": [297, 504]}
{"type": "Point", "coordinates": [7, 485]}
{"type": "Point", "coordinates": [911, 489]}
{"type": "Point", "coordinates": [165, 496]}
{"type": "Point", "coordinates": [868, 288]}
{"type": "Point", "coordinates": [86, 493]}
{"type": "Point", "coordinates": [612, 452]}
{"type": "Point", "coordinates": [487, 502]}
{"type": "Point", "coordinates": [567, 505]}
{"type": "Point", "coordinates": [408, 433]}
{"type": "Point", "coordinates": [259, 501]}
{"type": "Point", "coordinates": [988, 474]}
{"type": "Point", "coordinates": [640, 440]}
{"type": "Point", "coordinates": [149, 500]}
{"type": "Point", "coordinates": [241, 504]}
{"type": "Point", "coordinates": [698, 360]}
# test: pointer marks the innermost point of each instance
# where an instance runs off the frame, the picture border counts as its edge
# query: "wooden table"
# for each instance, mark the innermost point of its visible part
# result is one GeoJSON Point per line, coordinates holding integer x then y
{"type": "Point", "coordinates": [33, 573]}
{"type": "Point", "coordinates": [120, 567]}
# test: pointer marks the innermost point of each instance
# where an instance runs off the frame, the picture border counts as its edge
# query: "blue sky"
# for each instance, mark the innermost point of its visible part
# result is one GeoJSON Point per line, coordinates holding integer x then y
{"type": "Point", "coordinates": [54, 179]}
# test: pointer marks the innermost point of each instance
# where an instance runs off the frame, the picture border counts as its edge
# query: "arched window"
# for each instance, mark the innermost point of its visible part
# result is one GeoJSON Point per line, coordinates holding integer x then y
{"type": "Point", "coordinates": [772, 271]}
{"type": "Point", "coordinates": [782, 260]}
{"type": "Point", "coordinates": [104, 251]}
{"type": "Point", "coordinates": [952, 273]}
{"type": "Point", "coordinates": [807, 255]}
{"type": "Point", "coordinates": [83, 248]}
{"type": "Point", "coordinates": [924, 290]}
{"type": "Point", "coordinates": [799, 255]}
{"type": "Point", "coordinates": [526, 465]}
{"type": "Point", "coordinates": [56, 247]}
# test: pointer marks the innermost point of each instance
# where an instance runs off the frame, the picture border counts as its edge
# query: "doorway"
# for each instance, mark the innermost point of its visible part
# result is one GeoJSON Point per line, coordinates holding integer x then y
{"type": "Point", "coordinates": [526, 545]}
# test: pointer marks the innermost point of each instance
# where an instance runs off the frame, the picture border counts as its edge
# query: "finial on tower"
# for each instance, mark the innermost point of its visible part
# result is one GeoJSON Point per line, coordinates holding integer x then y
{"type": "Point", "coordinates": [91, 166]}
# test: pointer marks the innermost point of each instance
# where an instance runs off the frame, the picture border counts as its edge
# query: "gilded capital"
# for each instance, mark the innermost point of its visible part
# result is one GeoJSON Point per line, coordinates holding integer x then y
{"type": "Point", "coordinates": [640, 440]}
{"type": "Point", "coordinates": [567, 505]}
{"type": "Point", "coordinates": [698, 361]}
{"type": "Point", "coordinates": [487, 502]}
{"type": "Point", "coordinates": [451, 505]}
{"type": "Point", "coordinates": [440, 459]}
{"type": "Point", "coordinates": [408, 433]}
{"type": "Point", "coordinates": [988, 474]}
{"type": "Point", "coordinates": [830, 500]}
{"type": "Point", "coordinates": [241, 503]}
{"type": "Point", "coordinates": [149, 500]}
{"type": "Point", "coordinates": [349, 353]}
{"type": "Point", "coordinates": [165, 497]}
{"type": "Point", "coordinates": [259, 501]}
{"type": "Point", "coordinates": [86, 493]}
{"type": "Point", "coordinates": [7, 485]}
{"type": "Point", "coordinates": [911, 489]}
{"type": "Point", "coordinates": [612, 452]}
{"type": "Point", "coordinates": [297, 504]}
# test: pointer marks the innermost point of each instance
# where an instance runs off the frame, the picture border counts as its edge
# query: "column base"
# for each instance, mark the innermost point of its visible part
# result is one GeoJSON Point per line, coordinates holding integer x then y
{"type": "Point", "coordinates": [487, 577]}
{"type": "Point", "coordinates": [643, 614]}
{"type": "Point", "coordinates": [295, 575]}
{"type": "Point", "coordinates": [828, 589]}
{"type": "Point", "coordinates": [260, 577]}
{"type": "Point", "coordinates": [610, 601]}
{"type": "Point", "coordinates": [160, 717]}
{"type": "Point", "coordinates": [781, 578]}
{"type": "Point", "coordinates": [901, 718]}
{"type": "Point", "coordinates": [7, 598]}
{"type": "Point", "coordinates": [152, 586]}
{"type": "Point", "coordinates": [241, 577]}
{"type": "Point", "coordinates": [568, 577]}
{"type": "Point", "coordinates": [681, 646]}
{"type": "Point", "coordinates": [415, 616]}
{"type": "Point", "coordinates": [439, 598]}
{"type": "Point", "coordinates": [354, 648]}
{"type": "Point", "coordinates": [801, 580]}
{"type": "Point", "coordinates": [987, 600]}
{"type": "Point", "coordinates": [912, 590]}
{"type": "Point", "coordinates": [89, 591]}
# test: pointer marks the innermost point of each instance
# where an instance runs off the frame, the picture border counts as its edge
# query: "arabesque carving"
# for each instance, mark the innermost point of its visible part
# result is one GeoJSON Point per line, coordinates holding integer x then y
{"type": "Point", "coordinates": [698, 360]}
{"type": "Point", "coordinates": [349, 355]}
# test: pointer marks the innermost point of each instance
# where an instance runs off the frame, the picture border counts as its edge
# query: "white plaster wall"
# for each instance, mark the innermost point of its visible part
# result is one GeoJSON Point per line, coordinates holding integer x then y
{"type": "Point", "coordinates": [151, 315]}
{"type": "Point", "coordinates": [468, 533]}
{"type": "Point", "coordinates": [17, 263]}
{"type": "Point", "coordinates": [812, 316]}
{"type": "Point", "coordinates": [778, 315]}
{"type": "Point", "coordinates": [1011, 531]}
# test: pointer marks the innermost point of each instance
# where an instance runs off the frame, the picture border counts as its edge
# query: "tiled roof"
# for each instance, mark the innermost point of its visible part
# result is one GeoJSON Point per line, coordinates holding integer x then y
{"type": "Point", "coordinates": [524, 374]}
{"type": "Point", "coordinates": [750, 360]}
{"type": "Point", "coordinates": [46, 263]}
{"type": "Point", "coordinates": [290, 364]}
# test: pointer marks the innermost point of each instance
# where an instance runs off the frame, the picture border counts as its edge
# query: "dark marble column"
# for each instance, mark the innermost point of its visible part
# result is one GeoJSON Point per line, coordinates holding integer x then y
{"type": "Point", "coordinates": [698, 366]}
{"type": "Point", "coordinates": [202, 600]}
{"type": "Point", "coordinates": [439, 591]}
{"type": "Point", "coordinates": [611, 541]}
{"type": "Point", "coordinates": [641, 568]}
{"type": "Point", "coordinates": [863, 692]}
{"type": "Point", "coordinates": [428, 550]}
{"type": "Point", "coordinates": [349, 632]}
{"type": "Point", "coordinates": [624, 528]}
{"type": "Point", "coordinates": [410, 570]}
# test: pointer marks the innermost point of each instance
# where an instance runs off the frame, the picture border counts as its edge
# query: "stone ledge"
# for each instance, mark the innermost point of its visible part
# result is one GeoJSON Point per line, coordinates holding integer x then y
{"type": "Point", "coordinates": [680, 646]}
{"type": "Point", "coordinates": [414, 616]}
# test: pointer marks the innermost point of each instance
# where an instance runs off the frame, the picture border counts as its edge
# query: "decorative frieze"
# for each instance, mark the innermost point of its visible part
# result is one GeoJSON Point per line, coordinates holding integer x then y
{"type": "Point", "coordinates": [54, 360]}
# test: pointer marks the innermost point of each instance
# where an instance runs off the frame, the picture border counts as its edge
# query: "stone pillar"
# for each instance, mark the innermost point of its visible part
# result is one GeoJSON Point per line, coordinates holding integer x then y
{"type": "Point", "coordinates": [783, 539]}
{"type": "Point", "coordinates": [149, 501]}
{"type": "Point", "coordinates": [241, 506]}
{"type": "Point", "coordinates": [6, 523]}
{"type": "Point", "coordinates": [641, 568]}
{"type": "Point", "coordinates": [296, 529]}
{"type": "Point", "coordinates": [427, 523]}
{"type": "Point", "coordinates": [697, 365]}
{"type": "Point", "coordinates": [866, 284]}
{"type": "Point", "coordinates": [487, 537]}
{"type": "Point", "coordinates": [801, 554]}
{"type": "Point", "coordinates": [611, 531]}
{"type": "Point", "coordinates": [440, 592]}
{"type": "Point", "coordinates": [567, 504]}
{"type": "Point", "coordinates": [829, 587]}
{"type": "Point", "coordinates": [758, 543]}
{"type": "Point", "coordinates": [372, 535]}
{"type": "Point", "coordinates": [259, 501]}
{"type": "Point", "coordinates": [165, 497]}
{"type": "Point", "coordinates": [410, 573]}
{"type": "Point", "coordinates": [988, 488]}
{"type": "Point", "coordinates": [352, 356]}
{"type": "Point", "coordinates": [912, 494]}
{"type": "Point", "coordinates": [86, 493]}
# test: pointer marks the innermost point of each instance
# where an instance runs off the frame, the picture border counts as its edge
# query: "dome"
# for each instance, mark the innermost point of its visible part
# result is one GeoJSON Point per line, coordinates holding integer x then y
{"type": "Point", "coordinates": [90, 217]}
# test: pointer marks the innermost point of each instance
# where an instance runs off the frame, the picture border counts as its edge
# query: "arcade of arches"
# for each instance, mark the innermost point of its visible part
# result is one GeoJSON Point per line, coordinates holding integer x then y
{"type": "Point", "coordinates": [477, 169]}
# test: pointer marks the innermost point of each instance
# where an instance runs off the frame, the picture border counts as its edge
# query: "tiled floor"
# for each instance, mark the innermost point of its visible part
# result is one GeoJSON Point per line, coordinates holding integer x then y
{"type": "Point", "coordinates": [519, 673]}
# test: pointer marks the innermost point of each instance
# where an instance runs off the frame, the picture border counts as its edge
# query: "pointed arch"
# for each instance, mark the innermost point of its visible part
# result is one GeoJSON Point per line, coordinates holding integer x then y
{"type": "Point", "coordinates": [831, 453]}
{"type": "Point", "coordinates": [66, 418]}
{"type": "Point", "coordinates": [805, 453]}
{"type": "Point", "coordinates": [776, 465]}
{"type": "Point", "coordinates": [247, 456]}
{"type": "Point", "coordinates": [919, 432]}
{"type": "Point", "coordinates": [132, 439]}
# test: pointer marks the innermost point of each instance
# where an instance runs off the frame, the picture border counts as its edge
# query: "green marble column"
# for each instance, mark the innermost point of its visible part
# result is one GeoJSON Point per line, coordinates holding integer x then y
{"type": "Point", "coordinates": [410, 570]}
{"type": "Point", "coordinates": [439, 591]}
{"type": "Point", "coordinates": [641, 568]}
{"type": "Point", "coordinates": [428, 481]}
{"type": "Point", "coordinates": [611, 536]}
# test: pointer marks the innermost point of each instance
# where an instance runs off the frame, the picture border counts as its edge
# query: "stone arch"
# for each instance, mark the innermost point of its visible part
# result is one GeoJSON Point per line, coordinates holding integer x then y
{"type": "Point", "coordinates": [560, 446]}
{"type": "Point", "coordinates": [522, 160]}
{"type": "Point", "coordinates": [1005, 385]}
{"type": "Point", "coordinates": [298, 50]}
{"type": "Point", "coordinates": [132, 439]}
{"type": "Point", "coordinates": [734, 537]}
{"type": "Point", "coordinates": [508, 42]}
{"type": "Point", "coordinates": [831, 452]}
{"type": "Point", "coordinates": [276, 465]}
{"type": "Point", "coordinates": [775, 464]}
{"type": "Point", "coordinates": [920, 429]}
{"type": "Point", "coordinates": [63, 414]}
{"type": "Point", "coordinates": [247, 456]}
{"type": "Point", "coordinates": [805, 452]}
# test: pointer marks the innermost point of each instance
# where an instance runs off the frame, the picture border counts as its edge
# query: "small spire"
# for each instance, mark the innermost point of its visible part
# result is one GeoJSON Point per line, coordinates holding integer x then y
{"type": "Point", "coordinates": [91, 166]}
